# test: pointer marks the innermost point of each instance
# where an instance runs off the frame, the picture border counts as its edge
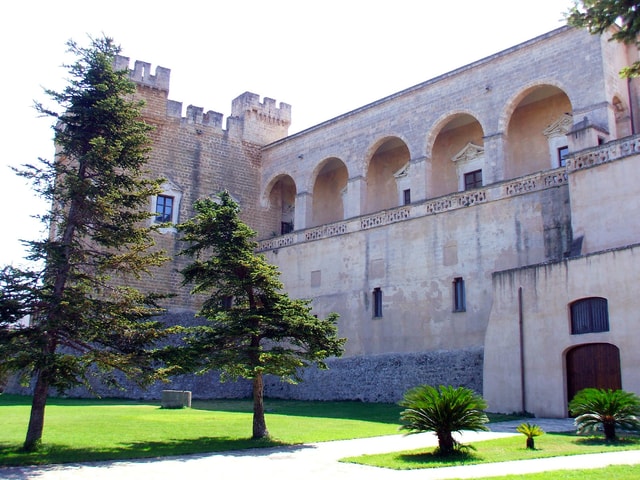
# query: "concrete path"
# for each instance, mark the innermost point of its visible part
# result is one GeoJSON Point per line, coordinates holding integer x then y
{"type": "Point", "coordinates": [319, 462]}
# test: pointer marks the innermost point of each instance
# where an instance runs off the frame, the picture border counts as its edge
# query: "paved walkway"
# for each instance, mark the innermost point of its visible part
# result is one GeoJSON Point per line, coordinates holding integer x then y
{"type": "Point", "coordinates": [319, 462]}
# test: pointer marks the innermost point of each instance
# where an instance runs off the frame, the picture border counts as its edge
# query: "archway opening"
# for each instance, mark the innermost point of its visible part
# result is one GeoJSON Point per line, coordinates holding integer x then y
{"type": "Point", "coordinates": [382, 189]}
{"type": "Point", "coordinates": [328, 190]}
{"type": "Point", "coordinates": [538, 121]}
{"type": "Point", "coordinates": [457, 151]}
{"type": "Point", "coordinates": [282, 200]}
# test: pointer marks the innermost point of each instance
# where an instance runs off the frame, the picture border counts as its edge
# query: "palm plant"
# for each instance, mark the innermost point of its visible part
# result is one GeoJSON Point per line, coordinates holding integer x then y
{"type": "Point", "coordinates": [530, 430]}
{"type": "Point", "coordinates": [443, 410]}
{"type": "Point", "coordinates": [594, 407]}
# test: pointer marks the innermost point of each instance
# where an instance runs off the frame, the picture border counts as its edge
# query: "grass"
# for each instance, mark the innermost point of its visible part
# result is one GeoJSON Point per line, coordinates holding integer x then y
{"type": "Point", "coordinates": [614, 472]}
{"type": "Point", "coordinates": [92, 430]}
{"type": "Point", "coordinates": [498, 450]}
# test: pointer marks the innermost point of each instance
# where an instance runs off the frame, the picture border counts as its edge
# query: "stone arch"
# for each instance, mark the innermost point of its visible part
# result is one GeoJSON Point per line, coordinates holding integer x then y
{"type": "Point", "coordinates": [388, 158]}
{"type": "Point", "coordinates": [281, 194]}
{"type": "Point", "coordinates": [455, 148]}
{"type": "Point", "coordinates": [331, 176]}
{"type": "Point", "coordinates": [535, 127]}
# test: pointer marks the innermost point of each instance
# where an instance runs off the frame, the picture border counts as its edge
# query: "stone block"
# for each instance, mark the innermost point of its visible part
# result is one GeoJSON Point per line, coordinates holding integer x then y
{"type": "Point", "coordinates": [176, 399]}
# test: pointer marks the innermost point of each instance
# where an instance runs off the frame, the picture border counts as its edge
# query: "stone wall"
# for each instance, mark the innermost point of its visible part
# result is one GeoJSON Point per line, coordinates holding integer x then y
{"type": "Point", "coordinates": [378, 378]}
{"type": "Point", "coordinates": [383, 378]}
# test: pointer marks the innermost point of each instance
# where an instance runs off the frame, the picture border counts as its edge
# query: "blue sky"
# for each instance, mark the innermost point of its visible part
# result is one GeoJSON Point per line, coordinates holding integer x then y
{"type": "Point", "coordinates": [322, 57]}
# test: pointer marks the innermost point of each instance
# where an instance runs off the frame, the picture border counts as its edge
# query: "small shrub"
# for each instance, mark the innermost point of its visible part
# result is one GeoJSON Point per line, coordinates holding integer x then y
{"type": "Point", "coordinates": [530, 430]}
{"type": "Point", "coordinates": [606, 408]}
{"type": "Point", "coordinates": [443, 410]}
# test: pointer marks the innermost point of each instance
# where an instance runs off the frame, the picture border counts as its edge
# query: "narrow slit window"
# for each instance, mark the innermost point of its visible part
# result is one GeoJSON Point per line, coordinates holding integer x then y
{"type": "Point", "coordinates": [459, 295]}
{"type": "Point", "coordinates": [377, 302]}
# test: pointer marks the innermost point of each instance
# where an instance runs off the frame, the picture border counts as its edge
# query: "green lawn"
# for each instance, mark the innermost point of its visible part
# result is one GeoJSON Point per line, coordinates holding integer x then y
{"type": "Point", "coordinates": [88, 430]}
{"type": "Point", "coordinates": [498, 450]}
{"type": "Point", "coordinates": [615, 472]}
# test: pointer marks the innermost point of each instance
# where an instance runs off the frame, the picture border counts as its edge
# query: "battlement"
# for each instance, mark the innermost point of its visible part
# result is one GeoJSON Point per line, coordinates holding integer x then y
{"type": "Point", "coordinates": [249, 104]}
{"type": "Point", "coordinates": [141, 73]}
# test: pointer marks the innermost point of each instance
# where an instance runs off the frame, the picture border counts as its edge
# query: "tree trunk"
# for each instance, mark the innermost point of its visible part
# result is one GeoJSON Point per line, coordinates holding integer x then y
{"type": "Point", "coordinates": [446, 443]}
{"type": "Point", "coordinates": [259, 423]}
{"type": "Point", "coordinates": [609, 430]}
{"type": "Point", "coordinates": [531, 444]}
{"type": "Point", "coordinates": [36, 419]}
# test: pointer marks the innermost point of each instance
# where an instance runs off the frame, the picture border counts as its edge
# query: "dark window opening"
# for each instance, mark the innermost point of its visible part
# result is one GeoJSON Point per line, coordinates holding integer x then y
{"type": "Point", "coordinates": [589, 315]}
{"type": "Point", "coordinates": [562, 156]}
{"type": "Point", "coordinates": [473, 180]}
{"type": "Point", "coordinates": [459, 300]}
{"type": "Point", "coordinates": [227, 302]}
{"type": "Point", "coordinates": [407, 196]}
{"type": "Point", "coordinates": [164, 209]}
{"type": "Point", "coordinates": [286, 227]}
{"type": "Point", "coordinates": [377, 302]}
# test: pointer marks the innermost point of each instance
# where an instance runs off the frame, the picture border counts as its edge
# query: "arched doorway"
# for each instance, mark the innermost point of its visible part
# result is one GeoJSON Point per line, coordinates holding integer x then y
{"type": "Point", "coordinates": [594, 365]}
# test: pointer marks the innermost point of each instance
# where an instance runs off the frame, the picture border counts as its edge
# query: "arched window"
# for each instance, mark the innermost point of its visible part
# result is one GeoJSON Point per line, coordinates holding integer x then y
{"type": "Point", "coordinates": [589, 315]}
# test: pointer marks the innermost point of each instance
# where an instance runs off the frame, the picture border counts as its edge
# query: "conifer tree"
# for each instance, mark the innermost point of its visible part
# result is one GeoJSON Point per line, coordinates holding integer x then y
{"type": "Point", "coordinates": [253, 328]}
{"type": "Point", "coordinates": [84, 319]}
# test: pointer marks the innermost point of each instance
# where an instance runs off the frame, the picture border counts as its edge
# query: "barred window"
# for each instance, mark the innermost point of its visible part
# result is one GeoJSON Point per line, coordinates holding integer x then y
{"type": "Point", "coordinates": [589, 315]}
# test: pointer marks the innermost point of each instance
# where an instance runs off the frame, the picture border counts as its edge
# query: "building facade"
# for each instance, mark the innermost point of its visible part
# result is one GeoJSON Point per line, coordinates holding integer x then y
{"type": "Point", "coordinates": [476, 229]}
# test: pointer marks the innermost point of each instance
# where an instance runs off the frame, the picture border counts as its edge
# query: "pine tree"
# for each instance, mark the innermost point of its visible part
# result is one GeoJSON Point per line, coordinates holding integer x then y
{"type": "Point", "coordinates": [84, 319]}
{"type": "Point", "coordinates": [253, 328]}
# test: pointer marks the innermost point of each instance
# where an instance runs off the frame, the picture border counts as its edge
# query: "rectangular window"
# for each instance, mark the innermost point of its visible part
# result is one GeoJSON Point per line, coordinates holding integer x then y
{"type": "Point", "coordinates": [227, 302]}
{"type": "Point", "coordinates": [473, 180]}
{"type": "Point", "coordinates": [377, 302]}
{"type": "Point", "coordinates": [562, 156]}
{"type": "Point", "coordinates": [407, 196]}
{"type": "Point", "coordinates": [589, 315]}
{"type": "Point", "coordinates": [286, 227]}
{"type": "Point", "coordinates": [164, 209]}
{"type": "Point", "coordinates": [459, 300]}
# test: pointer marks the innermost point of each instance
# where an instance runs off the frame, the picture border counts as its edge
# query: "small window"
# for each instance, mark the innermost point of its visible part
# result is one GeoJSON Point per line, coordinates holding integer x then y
{"type": "Point", "coordinates": [407, 196]}
{"type": "Point", "coordinates": [286, 227]}
{"type": "Point", "coordinates": [164, 208]}
{"type": "Point", "coordinates": [377, 302]}
{"type": "Point", "coordinates": [473, 180]}
{"type": "Point", "coordinates": [562, 156]}
{"type": "Point", "coordinates": [589, 315]}
{"type": "Point", "coordinates": [227, 302]}
{"type": "Point", "coordinates": [459, 300]}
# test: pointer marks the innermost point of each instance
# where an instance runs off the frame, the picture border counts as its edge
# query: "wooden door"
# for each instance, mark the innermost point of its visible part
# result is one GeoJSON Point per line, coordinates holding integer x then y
{"type": "Point", "coordinates": [595, 365]}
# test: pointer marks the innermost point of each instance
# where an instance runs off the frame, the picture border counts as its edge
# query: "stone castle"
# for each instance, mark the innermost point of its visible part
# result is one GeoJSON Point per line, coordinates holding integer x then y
{"type": "Point", "coordinates": [477, 229]}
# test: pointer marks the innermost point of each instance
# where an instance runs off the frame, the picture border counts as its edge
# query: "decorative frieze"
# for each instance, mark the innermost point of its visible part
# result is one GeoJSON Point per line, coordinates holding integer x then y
{"type": "Point", "coordinates": [384, 218]}
{"type": "Point", "coordinates": [603, 154]}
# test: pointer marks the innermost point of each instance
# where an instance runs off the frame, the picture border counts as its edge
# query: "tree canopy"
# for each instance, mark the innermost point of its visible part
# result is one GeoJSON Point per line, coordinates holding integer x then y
{"type": "Point", "coordinates": [600, 15]}
{"type": "Point", "coordinates": [253, 328]}
{"type": "Point", "coordinates": [83, 317]}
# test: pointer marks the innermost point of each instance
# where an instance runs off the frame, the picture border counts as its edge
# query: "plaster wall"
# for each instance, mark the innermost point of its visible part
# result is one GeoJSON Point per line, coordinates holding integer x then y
{"type": "Point", "coordinates": [414, 263]}
{"type": "Point", "coordinates": [547, 291]}
{"type": "Point", "coordinates": [605, 204]}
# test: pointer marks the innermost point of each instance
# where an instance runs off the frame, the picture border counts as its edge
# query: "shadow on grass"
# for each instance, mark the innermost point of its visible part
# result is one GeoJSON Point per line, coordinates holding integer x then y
{"type": "Point", "coordinates": [352, 410]}
{"type": "Point", "coordinates": [602, 442]}
{"type": "Point", "coordinates": [433, 459]}
{"type": "Point", "coordinates": [12, 455]}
